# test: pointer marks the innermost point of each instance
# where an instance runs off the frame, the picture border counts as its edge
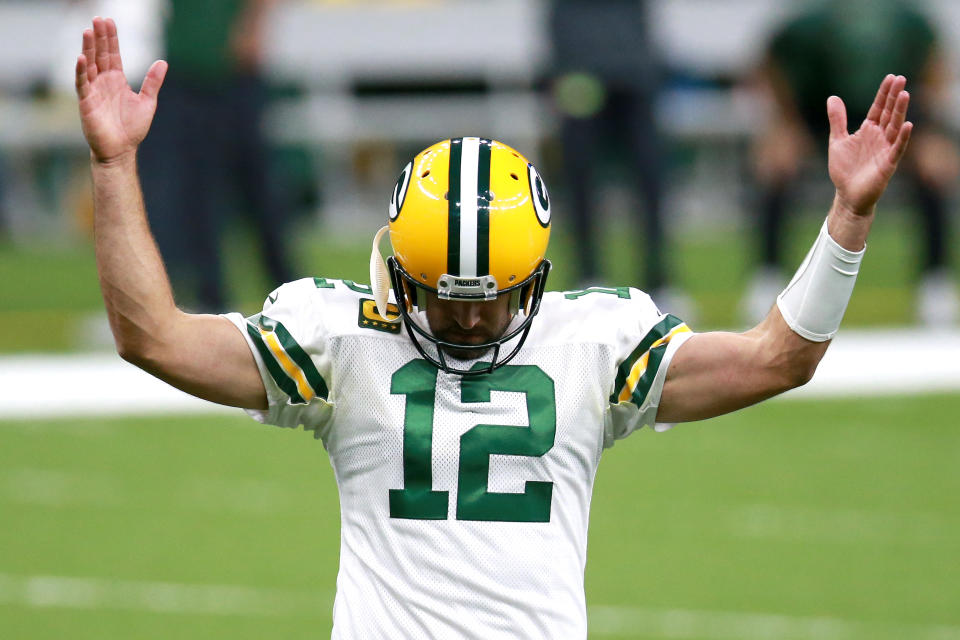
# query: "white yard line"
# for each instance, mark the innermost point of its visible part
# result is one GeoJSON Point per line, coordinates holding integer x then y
{"type": "Point", "coordinates": [839, 525]}
{"type": "Point", "coordinates": [56, 489]}
{"type": "Point", "coordinates": [158, 597]}
{"type": "Point", "coordinates": [740, 625]}
{"type": "Point", "coordinates": [253, 497]}
{"type": "Point", "coordinates": [883, 362]}
{"type": "Point", "coordinates": [44, 592]}
{"type": "Point", "coordinates": [859, 363]}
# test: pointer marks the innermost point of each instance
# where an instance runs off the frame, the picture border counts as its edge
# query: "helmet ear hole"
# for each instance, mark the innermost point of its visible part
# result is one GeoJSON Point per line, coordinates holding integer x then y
{"type": "Point", "coordinates": [408, 295]}
{"type": "Point", "coordinates": [526, 293]}
{"type": "Point", "coordinates": [514, 302]}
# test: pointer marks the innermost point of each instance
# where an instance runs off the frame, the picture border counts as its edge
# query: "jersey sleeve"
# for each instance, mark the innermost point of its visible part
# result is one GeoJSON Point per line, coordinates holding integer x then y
{"type": "Point", "coordinates": [645, 344]}
{"type": "Point", "coordinates": [288, 342]}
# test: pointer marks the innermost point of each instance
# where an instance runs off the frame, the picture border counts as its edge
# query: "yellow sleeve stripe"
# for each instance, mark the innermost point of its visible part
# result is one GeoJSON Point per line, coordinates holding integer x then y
{"type": "Point", "coordinates": [640, 367]}
{"type": "Point", "coordinates": [289, 367]}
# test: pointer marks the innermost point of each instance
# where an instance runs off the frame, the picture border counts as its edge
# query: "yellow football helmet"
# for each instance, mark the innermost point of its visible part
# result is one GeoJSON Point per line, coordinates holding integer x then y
{"type": "Point", "coordinates": [469, 219]}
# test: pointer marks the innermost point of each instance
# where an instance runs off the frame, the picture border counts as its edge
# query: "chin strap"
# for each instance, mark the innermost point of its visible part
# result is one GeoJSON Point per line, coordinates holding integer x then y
{"type": "Point", "coordinates": [380, 277]}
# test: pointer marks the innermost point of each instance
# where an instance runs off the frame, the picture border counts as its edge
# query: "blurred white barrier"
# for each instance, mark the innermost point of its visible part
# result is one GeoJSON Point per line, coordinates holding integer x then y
{"type": "Point", "coordinates": [502, 45]}
{"type": "Point", "coordinates": [888, 362]}
{"type": "Point", "coordinates": [498, 40]}
{"type": "Point", "coordinates": [84, 385]}
{"type": "Point", "coordinates": [324, 46]}
{"type": "Point", "coordinates": [859, 363]}
{"type": "Point", "coordinates": [502, 39]}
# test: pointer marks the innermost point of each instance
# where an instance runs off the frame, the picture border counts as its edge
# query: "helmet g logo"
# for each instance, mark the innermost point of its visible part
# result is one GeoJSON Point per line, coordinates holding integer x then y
{"type": "Point", "coordinates": [541, 199]}
{"type": "Point", "coordinates": [400, 191]}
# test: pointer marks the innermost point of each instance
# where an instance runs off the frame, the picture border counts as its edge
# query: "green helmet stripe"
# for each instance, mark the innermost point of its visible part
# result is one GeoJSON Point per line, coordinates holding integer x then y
{"type": "Point", "coordinates": [453, 209]}
{"type": "Point", "coordinates": [483, 210]}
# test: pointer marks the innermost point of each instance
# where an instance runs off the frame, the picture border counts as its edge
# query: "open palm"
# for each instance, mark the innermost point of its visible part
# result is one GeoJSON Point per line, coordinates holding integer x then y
{"type": "Point", "coordinates": [862, 163]}
{"type": "Point", "coordinates": [114, 118]}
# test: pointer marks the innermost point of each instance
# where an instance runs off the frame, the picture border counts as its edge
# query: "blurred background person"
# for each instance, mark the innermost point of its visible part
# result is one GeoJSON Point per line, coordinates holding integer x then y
{"type": "Point", "coordinates": [606, 79]}
{"type": "Point", "coordinates": [831, 48]}
{"type": "Point", "coordinates": [208, 144]}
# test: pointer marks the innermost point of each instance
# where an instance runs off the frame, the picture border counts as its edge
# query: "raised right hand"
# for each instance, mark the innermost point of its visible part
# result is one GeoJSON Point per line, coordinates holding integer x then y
{"type": "Point", "coordinates": [115, 120]}
{"type": "Point", "coordinates": [862, 163]}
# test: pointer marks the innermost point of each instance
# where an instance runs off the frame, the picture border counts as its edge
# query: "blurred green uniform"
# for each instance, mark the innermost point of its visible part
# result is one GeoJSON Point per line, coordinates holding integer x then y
{"type": "Point", "coordinates": [845, 49]}
{"type": "Point", "coordinates": [207, 150]}
{"type": "Point", "coordinates": [198, 39]}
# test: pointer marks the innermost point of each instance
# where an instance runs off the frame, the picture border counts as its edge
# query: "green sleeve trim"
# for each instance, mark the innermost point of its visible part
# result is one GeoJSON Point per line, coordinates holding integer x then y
{"type": "Point", "coordinates": [659, 330]}
{"type": "Point", "coordinates": [646, 380]}
{"type": "Point", "coordinates": [298, 355]}
{"type": "Point", "coordinates": [286, 384]}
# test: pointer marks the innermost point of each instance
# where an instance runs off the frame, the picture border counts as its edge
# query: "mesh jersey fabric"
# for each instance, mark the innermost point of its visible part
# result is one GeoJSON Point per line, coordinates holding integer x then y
{"type": "Point", "coordinates": [464, 501]}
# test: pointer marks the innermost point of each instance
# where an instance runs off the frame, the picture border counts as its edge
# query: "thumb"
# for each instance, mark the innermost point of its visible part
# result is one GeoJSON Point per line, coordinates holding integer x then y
{"type": "Point", "coordinates": [837, 114]}
{"type": "Point", "coordinates": [154, 79]}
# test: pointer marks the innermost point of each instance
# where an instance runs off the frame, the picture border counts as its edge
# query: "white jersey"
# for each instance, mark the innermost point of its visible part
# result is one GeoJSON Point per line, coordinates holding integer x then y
{"type": "Point", "coordinates": [464, 501]}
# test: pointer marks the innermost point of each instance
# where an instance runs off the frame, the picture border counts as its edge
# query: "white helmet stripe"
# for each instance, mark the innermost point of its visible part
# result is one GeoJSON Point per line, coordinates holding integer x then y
{"type": "Point", "coordinates": [469, 161]}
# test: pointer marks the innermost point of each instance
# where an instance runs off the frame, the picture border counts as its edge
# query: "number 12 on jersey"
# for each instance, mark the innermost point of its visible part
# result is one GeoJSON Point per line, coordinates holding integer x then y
{"type": "Point", "coordinates": [417, 380]}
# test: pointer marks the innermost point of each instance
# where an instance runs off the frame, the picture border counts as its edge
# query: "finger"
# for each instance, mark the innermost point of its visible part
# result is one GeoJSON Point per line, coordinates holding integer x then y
{"type": "Point", "coordinates": [899, 116]}
{"type": "Point", "coordinates": [900, 146]}
{"type": "Point", "coordinates": [154, 79]}
{"type": "Point", "coordinates": [837, 115]}
{"type": "Point", "coordinates": [89, 52]}
{"type": "Point", "coordinates": [102, 45]}
{"type": "Point", "coordinates": [83, 84]}
{"type": "Point", "coordinates": [899, 83]}
{"type": "Point", "coordinates": [113, 42]}
{"type": "Point", "coordinates": [881, 99]}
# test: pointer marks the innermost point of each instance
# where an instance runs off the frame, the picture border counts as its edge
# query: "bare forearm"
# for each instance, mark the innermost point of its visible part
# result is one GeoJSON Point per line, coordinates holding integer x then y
{"type": "Point", "coordinates": [248, 33]}
{"type": "Point", "coordinates": [202, 355]}
{"type": "Point", "coordinates": [847, 227]}
{"type": "Point", "coordinates": [256, 11]}
{"type": "Point", "coordinates": [716, 373]}
{"type": "Point", "coordinates": [731, 371]}
{"type": "Point", "coordinates": [134, 283]}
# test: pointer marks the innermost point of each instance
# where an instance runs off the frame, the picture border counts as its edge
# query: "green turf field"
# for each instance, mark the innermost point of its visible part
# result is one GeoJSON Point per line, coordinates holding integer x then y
{"type": "Point", "coordinates": [794, 519]}
{"type": "Point", "coordinates": [47, 292]}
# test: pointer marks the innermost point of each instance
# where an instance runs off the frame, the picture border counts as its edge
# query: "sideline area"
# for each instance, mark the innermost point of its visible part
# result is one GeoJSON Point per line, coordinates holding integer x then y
{"type": "Point", "coordinates": [859, 363]}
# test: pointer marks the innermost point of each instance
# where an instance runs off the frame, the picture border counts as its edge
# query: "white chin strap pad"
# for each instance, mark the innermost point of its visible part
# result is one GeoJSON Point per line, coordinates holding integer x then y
{"type": "Point", "coordinates": [814, 302]}
{"type": "Point", "coordinates": [379, 276]}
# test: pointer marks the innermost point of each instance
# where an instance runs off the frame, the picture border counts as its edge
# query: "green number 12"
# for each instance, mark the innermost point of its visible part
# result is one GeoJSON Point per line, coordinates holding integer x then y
{"type": "Point", "coordinates": [417, 380]}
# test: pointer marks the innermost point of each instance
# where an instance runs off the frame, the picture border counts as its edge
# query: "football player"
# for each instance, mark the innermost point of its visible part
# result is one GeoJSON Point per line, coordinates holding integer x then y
{"type": "Point", "coordinates": [465, 418]}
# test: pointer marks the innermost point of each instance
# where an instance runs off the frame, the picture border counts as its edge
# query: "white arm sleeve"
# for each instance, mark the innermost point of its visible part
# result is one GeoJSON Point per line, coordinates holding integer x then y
{"type": "Point", "coordinates": [814, 302]}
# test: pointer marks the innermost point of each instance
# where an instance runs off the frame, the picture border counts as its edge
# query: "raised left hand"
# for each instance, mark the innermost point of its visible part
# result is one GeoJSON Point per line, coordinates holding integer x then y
{"type": "Point", "coordinates": [862, 163]}
{"type": "Point", "coordinates": [114, 118]}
